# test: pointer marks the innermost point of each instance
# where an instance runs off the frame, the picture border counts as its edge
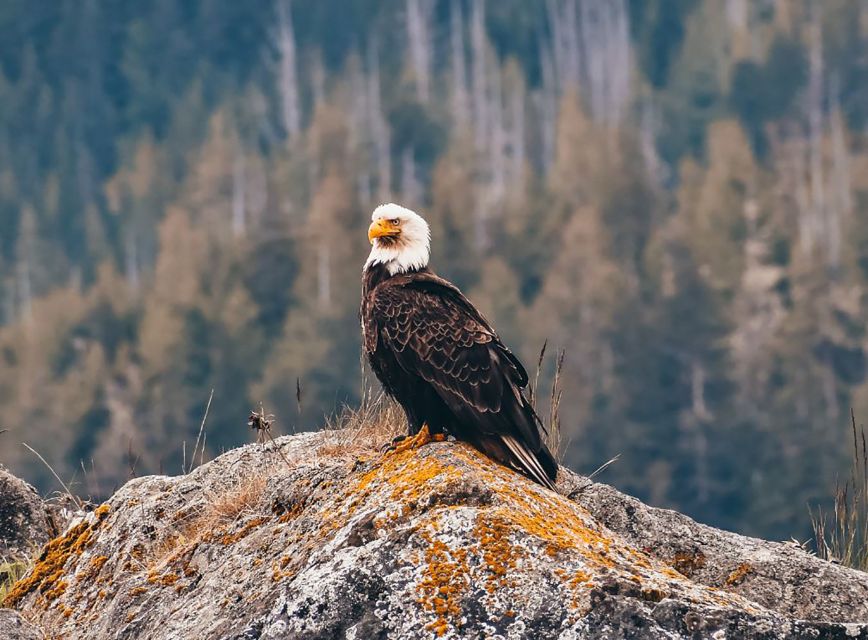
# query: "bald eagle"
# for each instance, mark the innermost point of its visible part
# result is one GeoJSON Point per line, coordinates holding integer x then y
{"type": "Point", "coordinates": [436, 354]}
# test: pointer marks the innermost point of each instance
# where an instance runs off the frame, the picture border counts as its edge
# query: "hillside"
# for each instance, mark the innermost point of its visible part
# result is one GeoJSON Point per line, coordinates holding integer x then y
{"type": "Point", "coordinates": [672, 191]}
{"type": "Point", "coordinates": [318, 535]}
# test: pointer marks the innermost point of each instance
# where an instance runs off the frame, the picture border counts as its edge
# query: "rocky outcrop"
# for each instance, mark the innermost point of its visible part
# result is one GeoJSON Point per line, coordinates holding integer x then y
{"type": "Point", "coordinates": [307, 538]}
{"type": "Point", "coordinates": [25, 520]}
{"type": "Point", "coordinates": [14, 627]}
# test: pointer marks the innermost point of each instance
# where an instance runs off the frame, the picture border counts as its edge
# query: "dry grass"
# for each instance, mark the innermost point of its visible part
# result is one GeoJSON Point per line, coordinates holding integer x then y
{"type": "Point", "coordinates": [241, 501]}
{"type": "Point", "coordinates": [842, 536]}
{"type": "Point", "coordinates": [10, 572]}
{"type": "Point", "coordinates": [553, 435]}
{"type": "Point", "coordinates": [222, 511]}
{"type": "Point", "coordinates": [365, 429]}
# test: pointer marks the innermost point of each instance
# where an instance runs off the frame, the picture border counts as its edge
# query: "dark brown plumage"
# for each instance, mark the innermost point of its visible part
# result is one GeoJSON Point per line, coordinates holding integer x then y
{"type": "Point", "coordinates": [441, 360]}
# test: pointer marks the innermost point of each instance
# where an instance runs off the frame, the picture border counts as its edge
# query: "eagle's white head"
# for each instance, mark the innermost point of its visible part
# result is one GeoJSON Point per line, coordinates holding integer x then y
{"type": "Point", "coordinates": [401, 239]}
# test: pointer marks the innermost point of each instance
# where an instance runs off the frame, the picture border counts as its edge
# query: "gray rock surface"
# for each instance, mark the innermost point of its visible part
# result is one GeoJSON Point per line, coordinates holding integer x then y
{"type": "Point", "coordinates": [308, 538]}
{"type": "Point", "coordinates": [14, 627]}
{"type": "Point", "coordinates": [25, 520]}
{"type": "Point", "coordinates": [778, 575]}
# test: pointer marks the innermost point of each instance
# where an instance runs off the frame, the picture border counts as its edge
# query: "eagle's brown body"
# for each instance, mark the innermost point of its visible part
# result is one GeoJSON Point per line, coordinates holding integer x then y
{"type": "Point", "coordinates": [441, 360]}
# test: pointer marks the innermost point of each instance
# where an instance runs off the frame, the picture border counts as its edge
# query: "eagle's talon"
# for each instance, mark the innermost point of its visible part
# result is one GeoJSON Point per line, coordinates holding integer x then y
{"type": "Point", "coordinates": [390, 446]}
{"type": "Point", "coordinates": [422, 438]}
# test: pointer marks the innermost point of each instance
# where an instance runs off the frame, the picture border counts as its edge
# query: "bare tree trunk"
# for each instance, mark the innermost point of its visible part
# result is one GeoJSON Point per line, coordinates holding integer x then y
{"type": "Point", "coordinates": [737, 14]}
{"type": "Point", "coordinates": [239, 212]}
{"type": "Point", "coordinates": [324, 284]}
{"type": "Point", "coordinates": [25, 290]}
{"type": "Point", "coordinates": [815, 126]}
{"type": "Point", "coordinates": [697, 391]}
{"type": "Point", "coordinates": [379, 129]}
{"type": "Point", "coordinates": [547, 106]}
{"type": "Point", "coordinates": [131, 261]}
{"type": "Point", "coordinates": [840, 203]}
{"type": "Point", "coordinates": [7, 290]}
{"type": "Point", "coordinates": [411, 191]}
{"type": "Point", "coordinates": [24, 249]}
{"type": "Point", "coordinates": [460, 98]}
{"type": "Point", "coordinates": [288, 80]}
{"type": "Point", "coordinates": [478, 43]}
{"type": "Point", "coordinates": [516, 131]}
{"type": "Point", "coordinates": [798, 169]}
{"type": "Point", "coordinates": [648, 124]}
{"type": "Point", "coordinates": [418, 18]}
{"type": "Point", "coordinates": [318, 80]}
{"type": "Point", "coordinates": [256, 193]}
{"type": "Point", "coordinates": [566, 55]}
{"type": "Point", "coordinates": [496, 160]}
{"type": "Point", "coordinates": [360, 131]}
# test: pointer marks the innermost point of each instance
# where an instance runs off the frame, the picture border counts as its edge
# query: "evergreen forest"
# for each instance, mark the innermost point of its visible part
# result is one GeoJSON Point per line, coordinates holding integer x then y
{"type": "Point", "coordinates": [671, 193]}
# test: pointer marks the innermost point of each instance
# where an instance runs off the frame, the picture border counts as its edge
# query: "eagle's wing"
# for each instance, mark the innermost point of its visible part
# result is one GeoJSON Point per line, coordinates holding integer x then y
{"type": "Point", "coordinates": [437, 334]}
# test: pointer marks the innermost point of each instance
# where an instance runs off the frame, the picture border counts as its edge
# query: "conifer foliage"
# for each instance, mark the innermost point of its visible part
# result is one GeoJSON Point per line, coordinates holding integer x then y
{"type": "Point", "coordinates": [673, 192]}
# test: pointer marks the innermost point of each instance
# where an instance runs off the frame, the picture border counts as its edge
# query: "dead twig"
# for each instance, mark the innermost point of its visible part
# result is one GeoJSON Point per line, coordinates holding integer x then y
{"type": "Point", "coordinates": [72, 496]}
{"type": "Point", "coordinates": [262, 422]}
{"type": "Point", "coordinates": [199, 436]}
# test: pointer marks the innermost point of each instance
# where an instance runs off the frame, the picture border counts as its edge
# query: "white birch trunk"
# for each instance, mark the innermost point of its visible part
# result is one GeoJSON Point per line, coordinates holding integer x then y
{"type": "Point", "coordinates": [411, 191]}
{"type": "Point", "coordinates": [324, 282]}
{"type": "Point", "coordinates": [547, 107]}
{"type": "Point", "coordinates": [288, 79]}
{"type": "Point", "coordinates": [25, 290]}
{"type": "Point", "coordinates": [418, 18]}
{"type": "Point", "coordinates": [460, 98]}
{"type": "Point", "coordinates": [840, 202]}
{"type": "Point", "coordinates": [379, 128]}
{"type": "Point", "coordinates": [516, 133]}
{"type": "Point", "coordinates": [131, 260]}
{"type": "Point", "coordinates": [815, 129]}
{"type": "Point", "coordinates": [478, 43]}
{"type": "Point", "coordinates": [496, 158]}
{"type": "Point", "coordinates": [239, 212]}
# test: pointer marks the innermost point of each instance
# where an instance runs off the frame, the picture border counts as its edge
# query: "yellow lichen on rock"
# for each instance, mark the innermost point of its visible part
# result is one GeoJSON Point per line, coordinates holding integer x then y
{"type": "Point", "coordinates": [48, 572]}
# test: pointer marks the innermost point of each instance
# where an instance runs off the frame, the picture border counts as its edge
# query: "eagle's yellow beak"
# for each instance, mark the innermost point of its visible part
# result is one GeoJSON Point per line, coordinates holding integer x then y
{"type": "Point", "coordinates": [382, 228]}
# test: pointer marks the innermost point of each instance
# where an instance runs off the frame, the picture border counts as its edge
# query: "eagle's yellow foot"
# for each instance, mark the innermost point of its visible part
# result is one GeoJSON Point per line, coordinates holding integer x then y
{"type": "Point", "coordinates": [420, 439]}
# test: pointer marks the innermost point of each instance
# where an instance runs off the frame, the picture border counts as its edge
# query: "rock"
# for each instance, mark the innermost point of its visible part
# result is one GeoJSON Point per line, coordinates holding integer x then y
{"type": "Point", "coordinates": [306, 538]}
{"type": "Point", "coordinates": [14, 627]}
{"type": "Point", "coordinates": [25, 520]}
{"type": "Point", "coordinates": [780, 576]}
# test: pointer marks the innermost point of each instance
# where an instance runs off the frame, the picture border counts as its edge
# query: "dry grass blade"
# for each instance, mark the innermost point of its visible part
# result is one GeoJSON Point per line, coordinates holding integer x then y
{"type": "Point", "coordinates": [532, 392]}
{"type": "Point", "coordinates": [10, 572]}
{"type": "Point", "coordinates": [603, 467]}
{"type": "Point", "coordinates": [366, 429]}
{"type": "Point", "coordinates": [199, 437]}
{"type": "Point", "coordinates": [69, 493]}
{"type": "Point", "coordinates": [554, 435]}
{"type": "Point", "coordinates": [842, 536]}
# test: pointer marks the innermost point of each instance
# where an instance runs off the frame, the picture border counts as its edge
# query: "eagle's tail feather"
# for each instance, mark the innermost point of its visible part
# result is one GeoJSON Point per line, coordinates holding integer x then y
{"type": "Point", "coordinates": [528, 461]}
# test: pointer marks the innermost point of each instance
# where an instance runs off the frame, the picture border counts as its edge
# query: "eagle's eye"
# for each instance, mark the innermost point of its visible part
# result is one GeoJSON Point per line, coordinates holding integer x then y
{"type": "Point", "coordinates": [394, 222]}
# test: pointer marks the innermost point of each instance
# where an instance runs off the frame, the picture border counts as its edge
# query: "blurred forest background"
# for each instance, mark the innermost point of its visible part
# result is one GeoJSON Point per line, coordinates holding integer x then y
{"type": "Point", "coordinates": [673, 191]}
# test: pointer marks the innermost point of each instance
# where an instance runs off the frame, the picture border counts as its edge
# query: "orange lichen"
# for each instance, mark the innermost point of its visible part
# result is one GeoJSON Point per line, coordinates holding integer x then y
{"type": "Point", "coordinates": [688, 563]}
{"type": "Point", "coordinates": [96, 565]}
{"type": "Point", "coordinates": [291, 512]}
{"type": "Point", "coordinates": [243, 532]}
{"type": "Point", "coordinates": [101, 512]}
{"type": "Point", "coordinates": [49, 568]}
{"type": "Point", "coordinates": [165, 579]}
{"type": "Point", "coordinates": [137, 591]}
{"type": "Point", "coordinates": [443, 584]}
{"type": "Point", "coordinates": [740, 573]}
{"type": "Point", "coordinates": [498, 553]}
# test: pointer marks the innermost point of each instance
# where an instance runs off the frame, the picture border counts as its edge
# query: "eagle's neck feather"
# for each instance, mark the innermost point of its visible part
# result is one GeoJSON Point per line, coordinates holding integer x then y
{"type": "Point", "coordinates": [399, 258]}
